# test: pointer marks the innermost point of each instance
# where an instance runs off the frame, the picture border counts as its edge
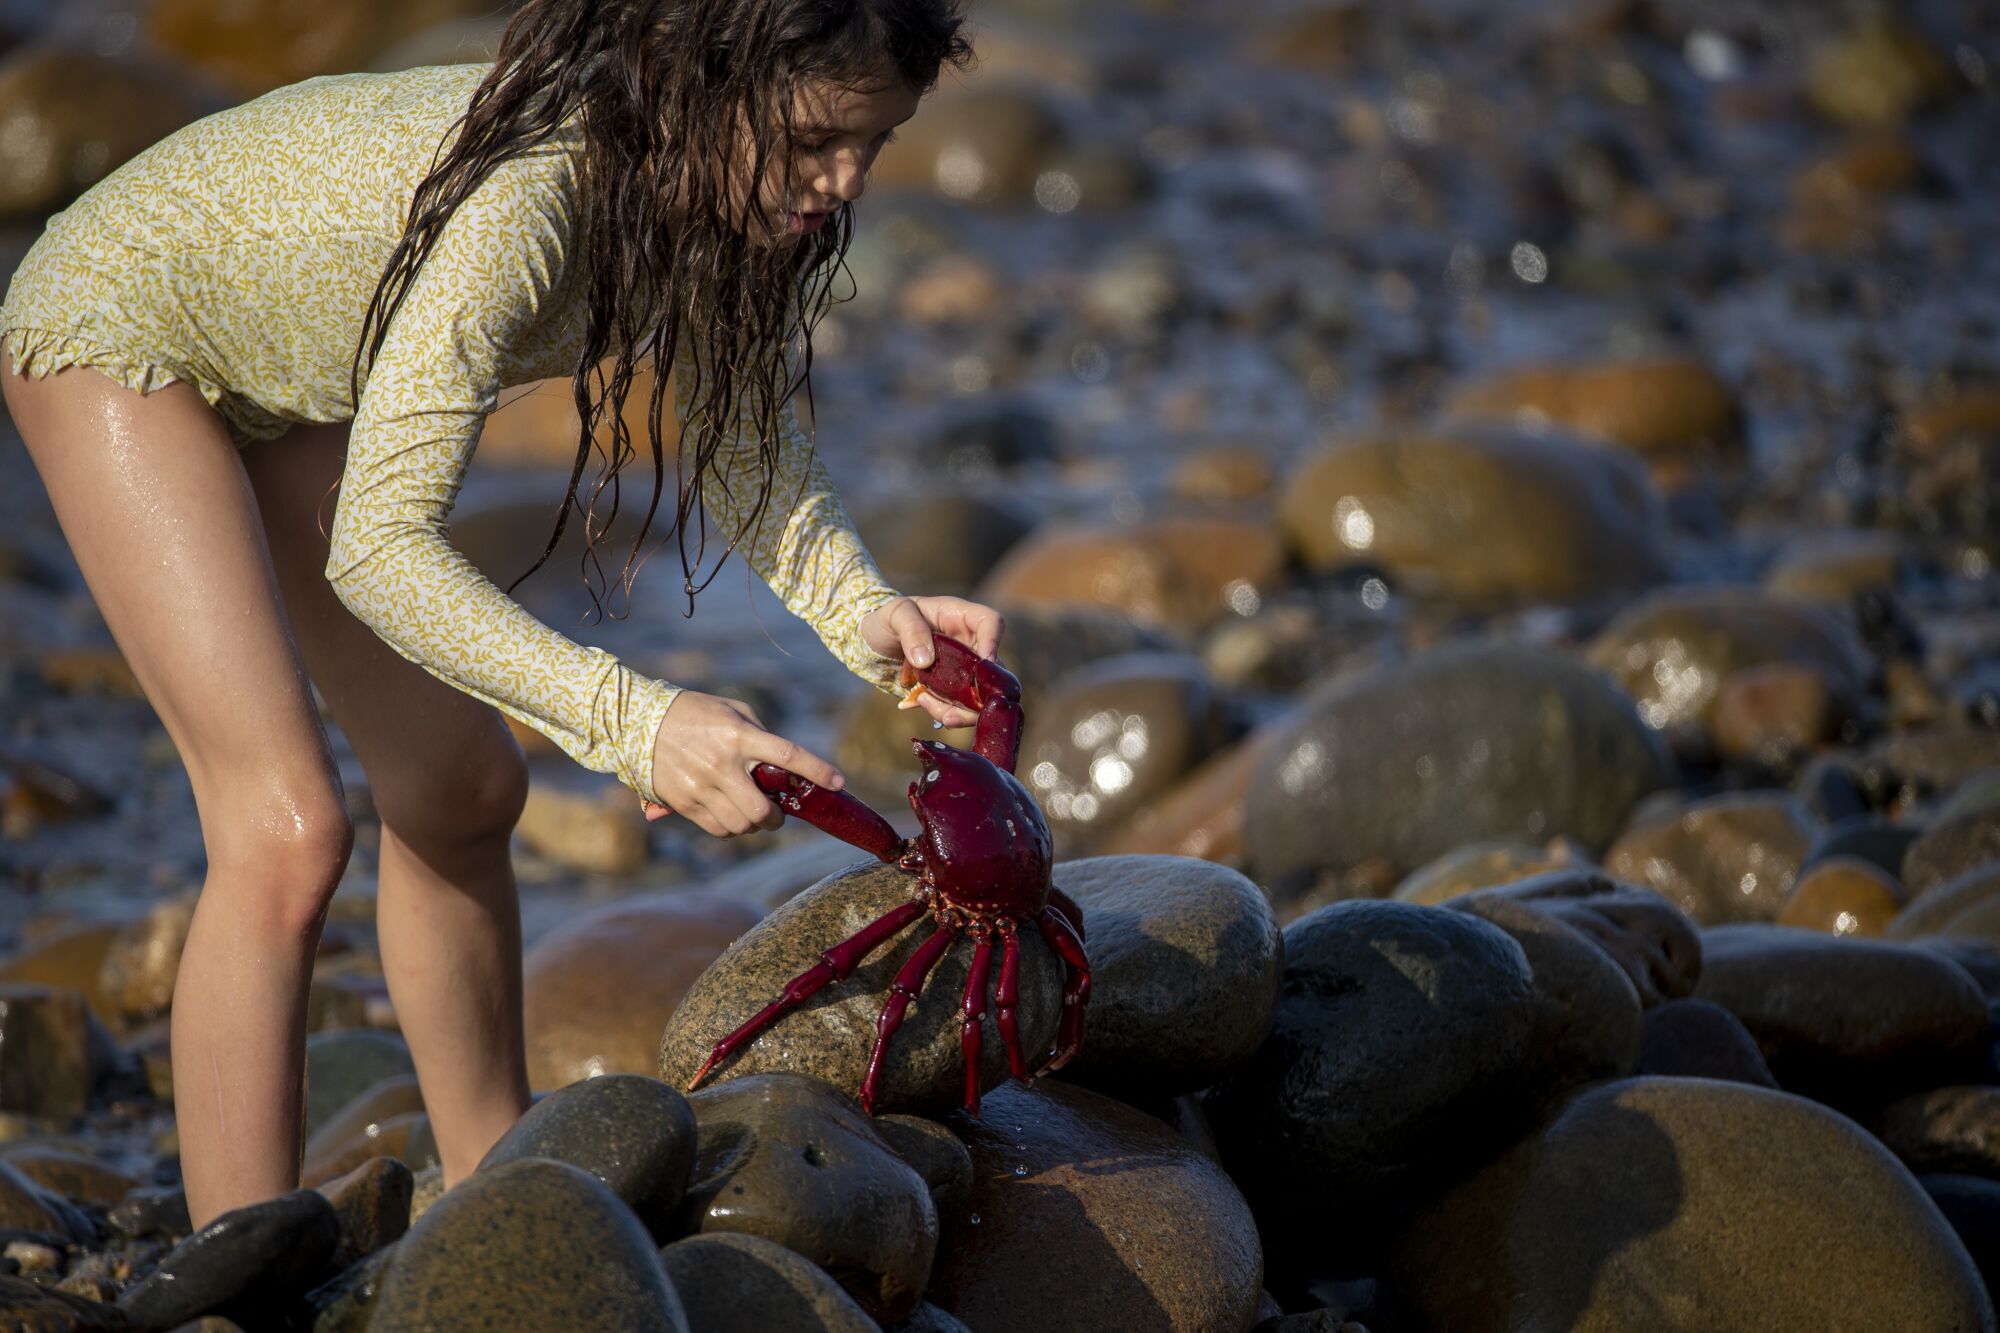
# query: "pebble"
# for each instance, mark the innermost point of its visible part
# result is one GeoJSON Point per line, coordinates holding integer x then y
{"type": "Point", "coordinates": [734, 1283]}
{"type": "Point", "coordinates": [1835, 567]}
{"type": "Point", "coordinates": [372, 1205]}
{"type": "Point", "coordinates": [1728, 858]}
{"type": "Point", "coordinates": [1183, 571]}
{"type": "Point", "coordinates": [634, 1133]}
{"type": "Point", "coordinates": [73, 116]}
{"type": "Point", "coordinates": [940, 542]}
{"type": "Point", "coordinates": [1954, 1129]}
{"type": "Point", "coordinates": [1690, 1038]}
{"type": "Point", "coordinates": [1186, 960]}
{"type": "Point", "coordinates": [1842, 895]}
{"type": "Point", "coordinates": [1656, 1199]}
{"type": "Point", "coordinates": [601, 833]}
{"type": "Point", "coordinates": [1481, 865]}
{"type": "Point", "coordinates": [253, 46]}
{"type": "Point", "coordinates": [141, 963]}
{"type": "Point", "coordinates": [340, 1066]}
{"type": "Point", "coordinates": [1968, 908]}
{"type": "Point", "coordinates": [32, 1212]}
{"type": "Point", "coordinates": [1774, 712]}
{"type": "Point", "coordinates": [1952, 848]}
{"type": "Point", "coordinates": [1467, 743]}
{"type": "Point", "coordinates": [598, 987]}
{"type": "Point", "coordinates": [1877, 73]}
{"type": "Point", "coordinates": [365, 1116]}
{"type": "Point", "coordinates": [1088, 1214]}
{"type": "Point", "coordinates": [1652, 407]}
{"type": "Point", "coordinates": [242, 1263]}
{"type": "Point", "coordinates": [1656, 946]}
{"type": "Point", "coordinates": [830, 1036]}
{"type": "Point", "coordinates": [70, 957]}
{"type": "Point", "coordinates": [796, 1162]}
{"type": "Point", "coordinates": [1202, 814]}
{"type": "Point", "coordinates": [528, 1238]}
{"type": "Point", "coordinates": [77, 1178]}
{"type": "Point", "coordinates": [56, 1050]}
{"type": "Point", "coordinates": [983, 145]}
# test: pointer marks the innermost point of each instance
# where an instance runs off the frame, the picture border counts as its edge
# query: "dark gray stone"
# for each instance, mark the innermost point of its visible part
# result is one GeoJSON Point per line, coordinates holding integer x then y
{"type": "Point", "coordinates": [634, 1133]}
{"type": "Point", "coordinates": [732, 1283]}
{"type": "Point", "coordinates": [243, 1264]}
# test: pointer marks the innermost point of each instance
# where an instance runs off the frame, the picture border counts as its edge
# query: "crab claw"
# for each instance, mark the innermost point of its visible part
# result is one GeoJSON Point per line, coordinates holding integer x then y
{"type": "Point", "coordinates": [978, 683]}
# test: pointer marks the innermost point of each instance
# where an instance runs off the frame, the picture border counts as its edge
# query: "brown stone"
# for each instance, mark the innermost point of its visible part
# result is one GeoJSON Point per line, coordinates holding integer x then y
{"type": "Point", "coordinates": [71, 957]}
{"type": "Point", "coordinates": [1953, 1129]}
{"type": "Point", "coordinates": [537, 426]}
{"type": "Point", "coordinates": [1185, 959]}
{"type": "Point", "coordinates": [1222, 473]}
{"type": "Point", "coordinates": [1727, 858]}
{"type": "Point", "coordinates": [1843, 895]}
{"type": "Point", "coordinates": [1202, 814]}
{"type": "Point", "coordinates": [796, 1161]}
{"type": "Point", "coordinates": [1153, 1234]}
{"type": "Point", "coordinates": [87, 671]}
{"type": "Point", "coordinates": [1482, 865]}
{"type": "Point", "coordinates": [373, 1204]}
{"type": "Point", "coordinates": [1858, 172]}
{"type": "Point", "coordinates": [1650, 407]}
{"type": "Point", "coordinates": [253, 46]}
{"type": "Point", "coordinates": [1182, 571]}
{"type": "Point", "coordinates": [982, 144]}
{"type": "Point", "coordinates": [27, 1207]}
{"type": "Point", "coordinates": [1929, 430]}
{"type": "Point", "coordinates": [390, 1137]}
{"type": "Point", "coordinates": [939, 543]}
{"type": "Point", "coordinates": [78, 1179]}
{"type": "Point", "coordinates": [1774, 711]}
{"type": "Point", "coordinates": [599, 987]}
{"type": "Point", "coordinates": [1653, 943]}
{"type": "Point", "coordinates": [1878, 73]}
{"type": "Point", "coordinates": [141, 963]}
{"type": "Point", "coordinates": [1835, 566]}
{"type": "Point", "coordinates": [73, 116]}
{"type": "Point", "coordinates": [1481, 516]}
{"type": "Point", "coordinates": [1955, 846]}
{"type": "Point", "coordinates": [603, 833]}
{"type": "Point", "coordinates": [365, 1116]}
{"type": "Point", "coordinates": [732, 1283]}
{"type": "Point", "coordinates": [830, 1036]}
{"type": "Point", "coordinates": [1968, 908]}
{"type": "Point", "coordinates": [48, 1063]}
{"type": "Point", "coordinates": [951, 289]}
{"type": "Point", "coordinates": [1690, 1038]}
{"type": "Point", "coordinates": [1688, 1204]}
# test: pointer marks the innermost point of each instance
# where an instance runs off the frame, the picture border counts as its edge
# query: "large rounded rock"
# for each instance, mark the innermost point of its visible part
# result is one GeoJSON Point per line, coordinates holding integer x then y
{"type": "Point", "coordinates": [635, 1134]}
{"type": "Point", "coordinates": [1663, 406]}
{"type": "Point", "coordinates": [1696, 1039]}
{"type": "Point", "coordinates": [73, 116]}
{"type": "Point", "coordinates": [1113, 735]}
{"type": "Point", "coordinates": [597, 987]}
{"type": "Point", "coordinates": [1673, 649]}
{"type": "Point", "coordinates": [1842, 895]}
{"type": "Point", "coordinates": [1185, 961]}
{"type": "Point", "coordinates": [1185, 571]}
{"type": "Point", "coordinates": [831, 1034]}
{"type": "Point", "coordinates": [1968, 908]}
{"type": "Point", "coordinates": [1479, 865]}
{"type": "Point", "coordinates": [1479, 517]}
{"type": "Point", "coordinates": [1945, 1129]}
{"type": "Point", "coordinates": [253, 46]}
{"type": "Point", "coordinates": [939, 543]}
{"type": "Point", "coordinates": [55, 1050]}
{"type": "Point", "coordinates": [530, 1243]}
{"type": "Point", "coordinates": [1656, 946]}
{"type": "Point", "coordinates": [798, 1163]}
{"type": "Point", "coordinates": [986, 145]}
{"type": "Point", "coordinates": [1465, 744]}
{"type": "Point", "coordinates": [1400, 1041]}
{"type": "Point", "coordinates": [731, 1283]}
{"type": "Point", "coordinates": [1086, 1214]}
{"type": "Point", "coordinates": [340, 1066]}
{"type": "Point", "coordinates": [1729, 858]}
{"type": "Point", "coordinates": [1846, 1018]}
{"type": "Point", "coordinates": [1953, 847]}
{"type": "Point", "coordinates": [248, 1261]}
{"type": "Point", "coordinates": [1687, 1204]}
{"type": "Point", "coordinates": [1202, 814]}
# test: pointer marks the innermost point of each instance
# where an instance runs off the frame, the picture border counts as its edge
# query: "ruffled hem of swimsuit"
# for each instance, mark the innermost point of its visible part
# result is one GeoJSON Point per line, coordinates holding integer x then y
{"type": "Point", "coordinates": [39, 353]}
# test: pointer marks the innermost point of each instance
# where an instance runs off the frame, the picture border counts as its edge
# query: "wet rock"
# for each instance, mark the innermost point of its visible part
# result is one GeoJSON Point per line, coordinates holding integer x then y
{"type": "Point", "coordinates": [1154, 1235]}
{"type": "Point", "coordinates": [426, 1188]}
{"type": "Point", "coordinates": [1968, 908]}
{"type": "Point", "coordinates": [1326, 38]}
{"type": "Point", "coordinates": [939, 543]}
{"type": "Point", "coordinates": [984, 145]}
{"type": "Point", "coordinates": [34, 1308]}
{"type": "Point", "coordinates": [732, 1283]}
{"type": "Point", "coordinates": [77, 1178]}
{"type": "Point", "coordinates": [89, 671]}
{"type": "Point", "coordinates": [241, 1264]}
{"type": "Point", "coordinates": [1482, 517]}
{"type": "Point", "coordinates": [1773, 712]}
{"type": "Point", "coordinates": [1842, 895]}
{"type": "Point", "coordinates": [1697, 1039]}
{"type": "Point", "coordinates": [1844, 1019]}
{"type": "Point", "coordinates": [530, 1235]}
{"type": "Point", "coordinates": [1934, 759]}
{"type": "Point", "coordinates": [1877, 842]}
{"type": "Point", "coordinates": [29, 1210]}
{"type": "Point", "coordinates": [141, 963]}
{"type": "Point", "coordinates": [73, 116]}
{"type": "Point", "coordinates": [406, 1136]}
{"type": "Point", "coordinates": [1673, 649]}
{"type": "Point", "coordinates": [634, 1133]}
{"type": "Point", "coordinates": [1657, 407]}
{"type": "Point", "coordinates": [71, 957]}
{"type": "Point", "coordinates": [151, 1211]}
{"type": "Point", "coordinates": [364, 1116]}
{"type": "Point", "coordinates": [53, 1058]}
{"type": "Point", "coordinates": [1183, 571]}
{"type": "Point", "coordinates": [1834, 567]}
{"type": "Point", "coordinates": [769, 880]}
{"type": "Point", "coordinates": [831, 1034]}
{"type": "Point", "coordinates": [344, 1302]}
{"type": "Point", "coordinates": [1185, 962]}
{"type": "Point", "coordinates": [1399, 1043]}
{"type": "Point", "coordinates": [340, 1066]}
{"type": "Point", "coordinates": [1945, 1129]}
{"type": "Point", "coordinates": [1972, 1207]}
{"type": "Point", "coordinates": [935, 1154]}
{"type": "Point", "coordinates": [1585, 1009]}
{"type": "Point", "coordinates": [601, 832]}
{"type": "Point", "coordinates": [1221, 474]}
{"type": "Point", "coordinates": [1636, 1207]}
{"type": "Point", "coordinates": [1133, 290]}
{"type": "Point", "coordinates": [1952, 848]}
{"type": "Point", "coordinates": [1464, 744]}
{"type": "Point", "coordinates": [1879, 73]}
{"type": "Point", "coordinates": [1980, 961]}
{"type": "Point", "coordinates": [796, 1162]}
{"type": "Point", "coordinates": [1729, 858]}
{"type": "Point", "coordinates": [1112, 736]}
{"type": "Point", "coordinates": [1202, 814]}
{"type": "Point", "coordinates": [950, 289]}
{"type": "Point", "coordinates": [254, 46]}
{"type": "Point", "coordinates": [597, 987]}
{"type": "Point", "coordinates": [372, 1205]}
{"type": "Point", "coordinates": [980, 439]}
{"type": "Point", "coordinates": [927, 1318]}
{"type": "Point", "coordinates": [1655, 945]}
{"type": "Point", "coordinates": [1482, 865]}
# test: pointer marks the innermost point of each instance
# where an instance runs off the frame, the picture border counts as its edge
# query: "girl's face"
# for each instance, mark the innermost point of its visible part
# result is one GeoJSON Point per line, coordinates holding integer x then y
{"type": "Point", "coordinates": [836, 133]}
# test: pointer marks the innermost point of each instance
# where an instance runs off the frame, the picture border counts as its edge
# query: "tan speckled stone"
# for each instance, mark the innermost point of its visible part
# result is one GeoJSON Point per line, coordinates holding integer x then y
{"type": "Point", "coordinates": [745, 1284]}
{"type": "Point", "coordinates": [1843, 895]}
{"type": "Point", "coordinates": [830, 1035]}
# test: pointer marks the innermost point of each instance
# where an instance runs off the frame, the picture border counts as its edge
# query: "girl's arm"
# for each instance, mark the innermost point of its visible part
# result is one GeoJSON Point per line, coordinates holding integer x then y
{"type": "Point", "coordinates": [495, 270]}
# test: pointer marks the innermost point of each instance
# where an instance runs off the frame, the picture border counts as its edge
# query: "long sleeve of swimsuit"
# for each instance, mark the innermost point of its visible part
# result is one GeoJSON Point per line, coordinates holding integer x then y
{"type": "Point", "coordinates": [497, 269]}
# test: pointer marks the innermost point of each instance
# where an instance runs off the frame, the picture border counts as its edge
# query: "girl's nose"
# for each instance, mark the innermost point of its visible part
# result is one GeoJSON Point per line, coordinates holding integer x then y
{"type": "Point", "coordinates": [847, 179]}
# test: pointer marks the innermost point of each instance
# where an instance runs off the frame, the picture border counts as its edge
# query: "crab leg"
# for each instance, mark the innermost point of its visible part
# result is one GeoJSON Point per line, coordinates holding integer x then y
{"type": "Point", "coordinates": [1076, 986]}
{"type": "Point", "coordinates": [978, 683]}
{"type": "Point", "coordinates": [904, 989]}
{"type": "Point", "coordinates": [844, 816]}
{"type": "Point", "coordinates": [1008, 993]}
{"type": "Point", "coordinates": [835, 965]}
{"type": "Point", "coordinates": [973, 1033]}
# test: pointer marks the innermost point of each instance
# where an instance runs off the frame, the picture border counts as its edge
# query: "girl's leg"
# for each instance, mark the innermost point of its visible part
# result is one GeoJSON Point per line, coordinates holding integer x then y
{"type": "Point", "coordinates": [153, 499]}
{"type": "Point", "coordinates": [449, 782]}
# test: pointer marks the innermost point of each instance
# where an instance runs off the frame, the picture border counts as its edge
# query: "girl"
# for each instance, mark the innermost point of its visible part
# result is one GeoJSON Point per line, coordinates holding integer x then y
{"type": "Point", "coordinates": [326, 288]}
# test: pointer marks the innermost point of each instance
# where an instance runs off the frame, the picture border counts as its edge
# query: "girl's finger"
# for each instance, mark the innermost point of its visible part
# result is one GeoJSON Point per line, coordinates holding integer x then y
{"type": "Point", "coordinates": [766, 748]}
{"type": "Point", "coordinates": [913, 631]}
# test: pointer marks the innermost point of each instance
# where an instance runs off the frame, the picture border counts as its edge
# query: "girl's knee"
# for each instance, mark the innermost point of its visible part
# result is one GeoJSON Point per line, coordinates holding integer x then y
{"type": "Point", "coordinates": [280, 861]}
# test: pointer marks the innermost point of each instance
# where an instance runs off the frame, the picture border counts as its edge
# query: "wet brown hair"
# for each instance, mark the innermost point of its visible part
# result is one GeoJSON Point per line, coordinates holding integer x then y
{"type": "Point", "coordinates": [664, 88]}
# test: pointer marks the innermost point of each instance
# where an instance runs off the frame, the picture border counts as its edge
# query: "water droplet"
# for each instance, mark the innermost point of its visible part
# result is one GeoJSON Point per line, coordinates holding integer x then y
{"type": "Point", "coordinates": [974, 1219]}
{"type": "Point", "coordinates": [1020, 1170]}
{"type": "Point", "coordinates": [936, 725]}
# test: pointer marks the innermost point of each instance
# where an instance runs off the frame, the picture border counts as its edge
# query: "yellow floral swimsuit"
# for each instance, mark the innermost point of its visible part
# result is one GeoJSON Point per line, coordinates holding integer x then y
{"type": "Point", "coordinates": [239, 255]}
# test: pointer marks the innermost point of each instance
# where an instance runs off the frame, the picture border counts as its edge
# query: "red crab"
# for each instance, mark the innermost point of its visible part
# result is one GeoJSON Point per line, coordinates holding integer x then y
{"type": "Point", "coordinates": [981, 856]}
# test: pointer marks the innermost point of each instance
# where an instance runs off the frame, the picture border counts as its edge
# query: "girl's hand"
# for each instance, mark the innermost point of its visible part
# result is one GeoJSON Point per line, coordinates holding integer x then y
{"type": "Point", "coordinates": [903, 629]}
{"type": "Point", "coordinates": [702, 758]}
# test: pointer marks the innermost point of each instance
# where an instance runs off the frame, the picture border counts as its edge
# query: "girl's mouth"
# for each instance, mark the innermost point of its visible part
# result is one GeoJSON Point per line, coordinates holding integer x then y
{"type": "Point", "coordinates": [800, 223]}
